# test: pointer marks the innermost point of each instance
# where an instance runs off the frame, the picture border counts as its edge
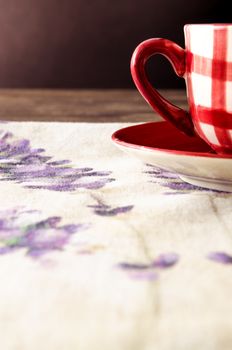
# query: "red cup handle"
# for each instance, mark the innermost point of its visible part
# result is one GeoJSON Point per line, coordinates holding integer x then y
{"type": "Point", "coordinates": [176, 55]}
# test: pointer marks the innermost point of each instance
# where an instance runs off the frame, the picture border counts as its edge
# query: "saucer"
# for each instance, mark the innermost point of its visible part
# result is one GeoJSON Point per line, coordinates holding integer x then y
{"type": "Point", "coordinates": [162, 145]}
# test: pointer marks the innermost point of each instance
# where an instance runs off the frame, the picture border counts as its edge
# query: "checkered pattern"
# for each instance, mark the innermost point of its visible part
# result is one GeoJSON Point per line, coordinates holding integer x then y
{"type": "Point", "coordinates": [209, 82]}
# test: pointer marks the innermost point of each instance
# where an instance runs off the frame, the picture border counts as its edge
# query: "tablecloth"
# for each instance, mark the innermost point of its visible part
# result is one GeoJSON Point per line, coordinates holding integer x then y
{"type": "Point", "coordinates": [100, 251]}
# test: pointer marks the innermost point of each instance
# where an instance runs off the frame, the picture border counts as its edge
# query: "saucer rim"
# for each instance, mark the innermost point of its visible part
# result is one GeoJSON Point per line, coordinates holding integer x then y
{"type": "Point", "coordinates": [115, 138]}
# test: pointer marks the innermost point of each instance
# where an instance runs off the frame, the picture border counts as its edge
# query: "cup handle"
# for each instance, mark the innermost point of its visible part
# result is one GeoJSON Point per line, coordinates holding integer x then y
{"type": "Point", "coordinates": [176, 55]}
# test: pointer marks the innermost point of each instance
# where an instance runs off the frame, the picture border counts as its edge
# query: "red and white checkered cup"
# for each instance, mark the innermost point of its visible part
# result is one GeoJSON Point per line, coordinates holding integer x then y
{"type": "Point", "coordinates": [206, 66]}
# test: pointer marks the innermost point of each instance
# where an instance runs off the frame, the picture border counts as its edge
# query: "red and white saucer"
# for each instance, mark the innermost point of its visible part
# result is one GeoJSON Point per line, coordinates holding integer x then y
{"type": "Point", "coordinates": [162, 145]}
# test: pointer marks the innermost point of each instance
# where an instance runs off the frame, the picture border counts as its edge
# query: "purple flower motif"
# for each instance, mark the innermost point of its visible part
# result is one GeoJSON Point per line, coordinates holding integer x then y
{"type": "Point", "coordinates": [144, 275]}
{"type": "Point", "coordinates": [220, 257]}
{"type": "Point", "coordinates": [105, 210]}
{"type": "Point", "coordinates": [22, 229]}
{"type": "Point", "coordinates": [134, 266]}
{"type": "Point", "coordinates": [139, 271]}
{"type": "Point", "coordinates": [149, 271]}
{"type": "Point", "coordinates": [173, 182]}
{"type": "Point", "coordinates": [166, 260]}
{"type": "Point", "coordinates": [30, 167]}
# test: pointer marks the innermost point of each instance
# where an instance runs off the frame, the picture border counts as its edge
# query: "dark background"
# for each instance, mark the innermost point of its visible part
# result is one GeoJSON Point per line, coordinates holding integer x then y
{"type": "Point", "coordinates": [88, 43]}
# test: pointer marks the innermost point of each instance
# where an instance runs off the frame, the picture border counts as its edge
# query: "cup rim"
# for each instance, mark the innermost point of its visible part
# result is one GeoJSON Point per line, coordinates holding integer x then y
{"type": "Point", "coordinates": [207, 24]}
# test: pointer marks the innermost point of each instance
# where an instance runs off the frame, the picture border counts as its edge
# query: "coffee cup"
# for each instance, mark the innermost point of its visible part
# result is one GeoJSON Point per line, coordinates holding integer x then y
{"type": "Point", "coordinates": [206, 65]}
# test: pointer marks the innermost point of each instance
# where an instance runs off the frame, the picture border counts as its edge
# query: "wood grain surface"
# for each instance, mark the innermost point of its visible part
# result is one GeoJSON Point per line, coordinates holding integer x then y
{"type": "Point", "coordinates": [80, 105]}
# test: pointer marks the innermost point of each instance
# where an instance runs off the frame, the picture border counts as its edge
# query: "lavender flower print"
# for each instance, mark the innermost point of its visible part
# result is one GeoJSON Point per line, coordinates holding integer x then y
{"type": "Point", "coordinates": [102, 209]}
{"type": "Point", "coordinates": [21, 163]}
{"type": "Point", "coordinates": [22, 229]}
{"type": "Point", "coordinates": [172, 181]}
{"type": "Point", "coordinates": [220, 257]}
{"type": "Point", "coordinates": [165, 261]}
{"type": "Point", "coordinates": [151, 270]}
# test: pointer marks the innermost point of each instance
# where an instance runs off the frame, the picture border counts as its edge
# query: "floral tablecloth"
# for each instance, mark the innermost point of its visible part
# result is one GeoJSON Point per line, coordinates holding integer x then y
{"type": "Point", "coordinates": [101, 251]}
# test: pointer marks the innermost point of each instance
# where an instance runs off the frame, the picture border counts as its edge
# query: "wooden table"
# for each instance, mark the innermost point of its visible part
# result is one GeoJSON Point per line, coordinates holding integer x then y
{"type": "Point", "coordinates": [80, 105]}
